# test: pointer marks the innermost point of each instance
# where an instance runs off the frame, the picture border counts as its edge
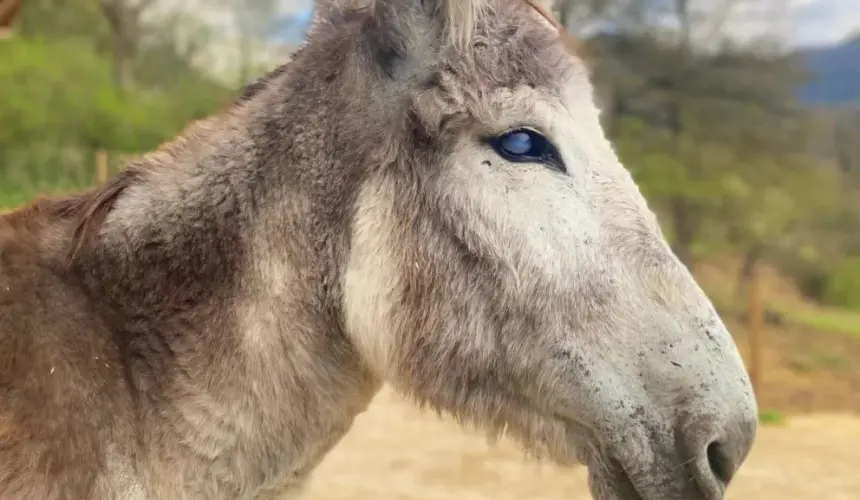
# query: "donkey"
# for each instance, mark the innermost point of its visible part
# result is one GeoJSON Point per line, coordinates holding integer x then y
{"type": "Point", "coordinates": [422, 197]}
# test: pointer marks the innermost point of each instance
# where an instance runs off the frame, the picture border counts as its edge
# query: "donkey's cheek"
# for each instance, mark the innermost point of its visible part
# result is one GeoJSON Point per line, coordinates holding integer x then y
{"type": "Point", "coordinates": [372, 279]}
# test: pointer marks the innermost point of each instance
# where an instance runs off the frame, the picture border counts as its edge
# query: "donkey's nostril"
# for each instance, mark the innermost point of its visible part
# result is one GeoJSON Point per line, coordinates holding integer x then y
{"type": "Point", "coordinates": [720, 463]}
{"type": "Point", "coordinates": [718, 448]}
{"type": "Point", "coordinates": [713, 469]}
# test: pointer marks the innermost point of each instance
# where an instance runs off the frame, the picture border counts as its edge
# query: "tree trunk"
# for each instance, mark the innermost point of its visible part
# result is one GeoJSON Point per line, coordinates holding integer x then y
{"type": "Point", "coordinates": [756, 330]}
{"type": "Point", "coordinates": [752, 256]}
{"type": "Point", "coordinates": [122, 20]}
{"type": "Point", "coordinates": [121, 66]}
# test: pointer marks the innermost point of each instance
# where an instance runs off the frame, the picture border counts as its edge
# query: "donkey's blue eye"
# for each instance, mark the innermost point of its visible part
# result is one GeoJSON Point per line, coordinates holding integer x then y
{"type": "Point", "coordinates": [525, 145]}
{"type": "Point", "coordinates": [520, 143]}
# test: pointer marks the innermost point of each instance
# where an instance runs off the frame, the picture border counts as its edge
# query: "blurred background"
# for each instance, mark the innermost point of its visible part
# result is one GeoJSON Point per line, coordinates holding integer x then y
{"type": "Point", "coordinates": [740, 119]}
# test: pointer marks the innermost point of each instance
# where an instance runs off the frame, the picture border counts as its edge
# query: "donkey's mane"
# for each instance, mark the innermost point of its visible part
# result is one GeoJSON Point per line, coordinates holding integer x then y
{"type": "Point", "coordinates": [85, 210]}
{"type": "Point", "coordinates": [258, 85]}
{"type": "Point", "coordinates": [94, 207]}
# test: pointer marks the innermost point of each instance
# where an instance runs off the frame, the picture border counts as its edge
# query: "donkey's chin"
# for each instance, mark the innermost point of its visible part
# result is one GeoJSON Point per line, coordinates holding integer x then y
{"type": "Point", "coordinates": [608, 477]}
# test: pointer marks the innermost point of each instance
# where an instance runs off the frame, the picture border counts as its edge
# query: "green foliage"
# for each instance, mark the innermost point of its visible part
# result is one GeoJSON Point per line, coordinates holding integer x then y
{"type": "Point", "coordinates": [843, 284]}
{"type": "Point", "coordinates": [63, 20]}
{"type": "Point", "coordinates": [64, 93]}
{"type": "Point", "coordinates": [61, 101]}
{"type": "Point", "coordinates": [718, 143]}
{"type": "Point", "coordinates": [42, 169]}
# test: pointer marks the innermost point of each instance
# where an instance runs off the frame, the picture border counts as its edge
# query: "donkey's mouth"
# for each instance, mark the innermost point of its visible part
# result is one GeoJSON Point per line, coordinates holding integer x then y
{"type": "Point", "coordinates": [608, 481]}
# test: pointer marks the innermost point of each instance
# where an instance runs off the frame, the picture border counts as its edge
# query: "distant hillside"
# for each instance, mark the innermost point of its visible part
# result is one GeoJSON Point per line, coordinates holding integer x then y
{"type": "Point", "coordinates": [835, 74]}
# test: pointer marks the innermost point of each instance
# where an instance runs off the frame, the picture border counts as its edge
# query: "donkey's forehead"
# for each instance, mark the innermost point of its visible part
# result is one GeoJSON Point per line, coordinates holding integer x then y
{"type": "Point", "coordinates": [514, 49]}
{"type": "Point", "coordinates": [510, 44]}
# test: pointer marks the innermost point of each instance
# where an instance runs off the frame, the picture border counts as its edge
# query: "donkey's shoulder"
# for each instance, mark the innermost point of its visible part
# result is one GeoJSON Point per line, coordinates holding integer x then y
{"type": "Point", "coordinates": [20, 257]}
{"type": "Point", "coordinates": [55, 366]}
{"type": "Point", "coordinates": [45, 316]}
{"type": "Point", "coordinates": [25, 263]}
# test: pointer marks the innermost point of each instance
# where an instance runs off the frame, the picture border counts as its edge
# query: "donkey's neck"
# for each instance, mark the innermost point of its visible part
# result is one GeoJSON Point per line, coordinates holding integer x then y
{"type": "Point", "coordinates": [219, 271]}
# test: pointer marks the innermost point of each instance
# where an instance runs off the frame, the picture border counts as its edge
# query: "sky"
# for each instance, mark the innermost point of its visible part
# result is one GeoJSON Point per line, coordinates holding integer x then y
{"type": "Point", "coordinates": [811, 22]}
{"type": "Point", "coordinates": [824, 22]}
{"type": "Point", "coordinates": [804, 23]}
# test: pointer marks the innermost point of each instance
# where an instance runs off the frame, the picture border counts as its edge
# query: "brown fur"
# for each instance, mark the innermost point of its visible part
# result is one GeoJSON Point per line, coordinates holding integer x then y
{"type": "Point", "coordinates": [179, 333]}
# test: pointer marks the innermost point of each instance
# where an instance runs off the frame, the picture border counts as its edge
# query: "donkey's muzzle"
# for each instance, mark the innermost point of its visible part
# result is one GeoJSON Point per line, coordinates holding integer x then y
{"type": "Point", "coordinates": [695, 461]}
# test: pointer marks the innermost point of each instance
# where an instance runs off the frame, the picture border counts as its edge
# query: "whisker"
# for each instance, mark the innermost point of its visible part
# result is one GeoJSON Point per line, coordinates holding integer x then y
{"type": "Point", "coordinates": [684, 463]}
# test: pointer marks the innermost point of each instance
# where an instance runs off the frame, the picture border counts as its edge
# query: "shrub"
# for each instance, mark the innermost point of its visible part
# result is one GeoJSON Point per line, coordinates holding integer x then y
{"type": "Point", "coordinates": [812, 281]}
{"type": "Point", "coordinates": [809, 272]}
{"type": "Point", "coordinates": [843, 284]}
{"type": "Point", "coordinates": [771, 417]}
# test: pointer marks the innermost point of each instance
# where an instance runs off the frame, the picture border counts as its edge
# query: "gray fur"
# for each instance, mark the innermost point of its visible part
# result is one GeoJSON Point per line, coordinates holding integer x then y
{"type": "Point", "coordinates": [209, 323]}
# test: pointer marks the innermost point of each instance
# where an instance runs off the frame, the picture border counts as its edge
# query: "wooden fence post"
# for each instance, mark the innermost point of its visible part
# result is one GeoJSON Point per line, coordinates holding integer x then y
{"type": "Point", "coordinates": [756, 329]}
{"type": "Point", "coordinates": [102, 170]}
{"type": "Point", "coordinates": [10, 10]}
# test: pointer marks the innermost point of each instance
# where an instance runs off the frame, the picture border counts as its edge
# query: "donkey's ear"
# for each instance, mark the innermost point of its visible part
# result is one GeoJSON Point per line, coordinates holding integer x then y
{"type": "Point", "coordinates": [460, 19]}
{"type": "Point", "coordinates": [547, 5]}
{"type": "Point", "coordinates": [455, 20]}
{"type": "Point", "coordinates": [319, 16]}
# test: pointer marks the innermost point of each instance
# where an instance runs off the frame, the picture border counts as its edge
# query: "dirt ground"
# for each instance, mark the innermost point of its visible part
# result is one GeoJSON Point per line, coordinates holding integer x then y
{"type": "Point", "coordinates": [396, 452]}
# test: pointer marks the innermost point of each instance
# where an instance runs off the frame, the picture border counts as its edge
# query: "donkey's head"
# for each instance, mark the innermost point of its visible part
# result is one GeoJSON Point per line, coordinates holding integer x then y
{"type": "Point", "coordinates": [504, 267]}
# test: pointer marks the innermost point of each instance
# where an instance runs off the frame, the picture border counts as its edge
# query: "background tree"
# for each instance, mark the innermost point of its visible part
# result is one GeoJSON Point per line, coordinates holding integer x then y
{"type": "Point", "coordinates": [70, 99]}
